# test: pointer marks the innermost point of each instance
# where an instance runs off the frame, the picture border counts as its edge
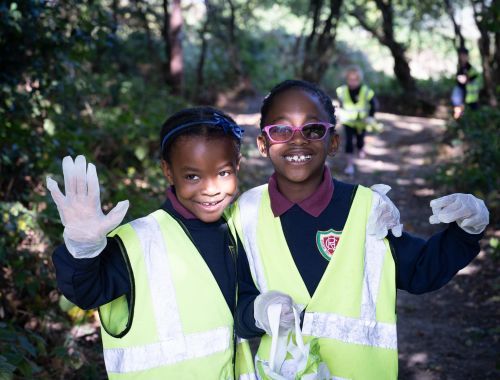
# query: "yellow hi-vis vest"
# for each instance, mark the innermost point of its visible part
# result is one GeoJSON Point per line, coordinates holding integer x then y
{"type": "Point", "coordinates": [353, 310]}
{"type": "Point", "coordinates": [178, 325]}
{"type": "Point", "coordinates": [472, 87]}
{"type": "Point", "coordinates": [354, 114]}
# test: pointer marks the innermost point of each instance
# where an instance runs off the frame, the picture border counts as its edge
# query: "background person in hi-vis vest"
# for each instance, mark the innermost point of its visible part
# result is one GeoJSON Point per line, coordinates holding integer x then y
{"type": "Point", "coordinates": [325, 245]}
{"type": "Point", "coordinates": [165, 284]}
{"type": "Point", "coordinates": [358, 105]}
{"type": "Point", "coordinates": [468, 84]}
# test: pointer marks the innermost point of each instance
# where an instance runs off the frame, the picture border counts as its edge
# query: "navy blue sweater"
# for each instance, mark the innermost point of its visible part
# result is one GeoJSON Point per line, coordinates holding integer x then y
{"type": "Point", "coordinates": [90, 283]}
{"type": "Point", "coordinates": [421, 266]}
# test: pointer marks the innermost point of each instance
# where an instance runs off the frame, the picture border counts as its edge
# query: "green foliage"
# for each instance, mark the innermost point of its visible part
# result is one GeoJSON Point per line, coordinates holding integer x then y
{"type": "Point", "coordinates": [18, 350]}
{"type": "Point", "coordinates": [476, 170]}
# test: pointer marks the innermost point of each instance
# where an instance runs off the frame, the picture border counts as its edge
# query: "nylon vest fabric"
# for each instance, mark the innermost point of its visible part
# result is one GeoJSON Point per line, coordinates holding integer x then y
{"type": "Point", "coordinates": [352, 311]}
{"type": "Point", "coordinates": [472, 88]}
{"type": "Point", "coordinates": [179, 325]}
{"type": "Point", "coordinates": [354, 114]}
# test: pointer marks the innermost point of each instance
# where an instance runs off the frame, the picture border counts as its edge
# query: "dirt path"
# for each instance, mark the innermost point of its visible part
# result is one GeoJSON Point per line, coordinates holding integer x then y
{"type": "Point", "coordinates": [452, 333]}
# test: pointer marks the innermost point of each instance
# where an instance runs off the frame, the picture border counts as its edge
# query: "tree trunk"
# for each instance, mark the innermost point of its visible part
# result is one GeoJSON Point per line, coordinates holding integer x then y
{"type": "Point", "coordinates": [234, 55]}
{"type": "Point", "coordinates": [320, 44]}
{"type": "Point", "coordinates": [172, 36]}
{"type": "Point", "coordinates": [386, 37]}
{"type": "Point", "coordinates": [482, 16]}
{"type": "Point", "coordinates": [200, 77]}
{"type": "Point", "coordinates": [459, 38]}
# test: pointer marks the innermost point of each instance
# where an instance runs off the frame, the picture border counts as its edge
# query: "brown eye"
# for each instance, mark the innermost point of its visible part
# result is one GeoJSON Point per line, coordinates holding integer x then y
{"type": "Point", "coordinates": [280, 132]}
{"type": "Point", "coordinates": [314, 131]}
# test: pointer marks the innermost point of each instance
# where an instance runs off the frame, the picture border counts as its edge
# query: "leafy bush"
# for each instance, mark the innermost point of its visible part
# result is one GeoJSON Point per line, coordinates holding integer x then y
{"type": "Point", "coordinates": [476, 170]}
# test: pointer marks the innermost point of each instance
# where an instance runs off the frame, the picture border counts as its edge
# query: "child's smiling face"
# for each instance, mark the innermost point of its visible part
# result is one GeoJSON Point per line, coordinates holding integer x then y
{"type": "Point", "coordinates": [204, 173]}
{"type": "Point", "coordinates": [297, 107]}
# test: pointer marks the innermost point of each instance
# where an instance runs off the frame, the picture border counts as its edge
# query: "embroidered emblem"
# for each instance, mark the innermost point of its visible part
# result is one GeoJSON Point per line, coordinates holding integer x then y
{"type": "Point", "coordinates": [327, 242]}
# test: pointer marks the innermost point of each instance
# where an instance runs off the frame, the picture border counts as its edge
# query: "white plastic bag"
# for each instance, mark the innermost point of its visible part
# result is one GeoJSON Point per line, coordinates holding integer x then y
{"type": "Point", "coordinates": [289, 360]}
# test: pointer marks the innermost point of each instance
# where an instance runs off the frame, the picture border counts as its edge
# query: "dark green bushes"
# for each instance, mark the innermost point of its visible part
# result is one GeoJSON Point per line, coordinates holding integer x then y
{"type": "Point", "coordinates": [476, 169]}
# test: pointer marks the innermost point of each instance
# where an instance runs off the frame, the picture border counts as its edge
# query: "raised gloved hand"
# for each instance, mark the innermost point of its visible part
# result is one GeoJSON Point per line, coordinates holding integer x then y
{"type": "Point", "coordinates": [85, 225]}
{"type": "Point", "coordinates": [469, 212]}
{"type": "Point", "coordinates": [262, 303]}
{"type": "Point", "coordinates": [384, 215]}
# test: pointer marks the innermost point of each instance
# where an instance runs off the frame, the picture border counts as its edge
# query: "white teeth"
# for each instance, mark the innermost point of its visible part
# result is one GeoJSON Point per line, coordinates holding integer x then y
{"type": "Point", "coordinates": [298, 158]}
{"type": "Point", "coordinates": [209, 203]}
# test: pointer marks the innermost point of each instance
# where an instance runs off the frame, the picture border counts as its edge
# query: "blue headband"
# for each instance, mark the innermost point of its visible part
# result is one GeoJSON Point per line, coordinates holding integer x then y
{"type": "Point", "coordinates": [227, 126]}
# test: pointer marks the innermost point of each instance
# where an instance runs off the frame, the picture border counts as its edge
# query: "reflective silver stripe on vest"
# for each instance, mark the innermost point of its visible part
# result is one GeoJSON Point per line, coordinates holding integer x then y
{"type": "Point", "coordinates": [173, 345]}
{"type": "Point", "coordinates": [159, 278]}
{"type": "Point", "coordinates": [374, 263]}
{"type": "Point", "coordinates": [249, 205]}
{"type": "Point", "coordinates": [350, 330]}
{"type": "Point", "coordinates": [363, 330]}
{"type": "Point", "coordinates": [124, 360]}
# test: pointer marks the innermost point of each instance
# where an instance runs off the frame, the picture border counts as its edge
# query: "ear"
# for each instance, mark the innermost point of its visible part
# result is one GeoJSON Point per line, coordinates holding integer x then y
{"type": "Point", "coordinates": [167, 172]}
{"type": "Point", "coordinates": [262, 146]}
{"type": "Point", "coordinates": [334, 144]}
{"type": "Point", "coordinates": [238, 162]}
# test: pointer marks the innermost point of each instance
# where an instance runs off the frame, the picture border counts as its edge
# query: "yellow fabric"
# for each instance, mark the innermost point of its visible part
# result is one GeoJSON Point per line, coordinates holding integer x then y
{"type": "Point", "coordinates": [199, 302]}
{"type": "Point", "coordinates": [354, 114]}
{"type": "Point", "coordinates": [338, 292]}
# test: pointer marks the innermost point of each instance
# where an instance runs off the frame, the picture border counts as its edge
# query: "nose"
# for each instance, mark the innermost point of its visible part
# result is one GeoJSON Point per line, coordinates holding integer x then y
{"type": "Point", "coordinates": [211, 187]}
{"type": "Point", "coordinates": [298, 138]}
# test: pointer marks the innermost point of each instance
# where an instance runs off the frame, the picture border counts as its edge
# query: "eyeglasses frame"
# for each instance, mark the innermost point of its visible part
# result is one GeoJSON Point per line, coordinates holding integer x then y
{"type": "Point", "coordinates": [295, 129]}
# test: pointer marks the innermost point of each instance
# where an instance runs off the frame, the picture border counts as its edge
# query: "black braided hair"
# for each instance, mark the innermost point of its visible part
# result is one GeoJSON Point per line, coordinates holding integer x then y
{"type": "Point", "coordinates": [288, 84]}
{"type": "Point", "coordinates": [190, 115]}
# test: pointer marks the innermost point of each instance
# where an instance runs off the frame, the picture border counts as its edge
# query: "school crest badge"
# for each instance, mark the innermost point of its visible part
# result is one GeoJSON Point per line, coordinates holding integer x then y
{"type": "Point", "coordinates": [327, 242]}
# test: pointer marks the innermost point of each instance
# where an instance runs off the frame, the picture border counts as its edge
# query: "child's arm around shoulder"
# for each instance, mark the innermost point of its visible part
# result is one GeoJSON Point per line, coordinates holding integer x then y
{"type": "Point", "coordinates": [85, 230]}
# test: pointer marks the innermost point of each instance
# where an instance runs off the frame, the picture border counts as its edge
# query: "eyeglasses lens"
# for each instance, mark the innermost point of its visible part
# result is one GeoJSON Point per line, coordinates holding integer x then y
{"type": "Point", "coordinates": [280, 132]}
{"type": "Point", "coordinates": [314, 131]}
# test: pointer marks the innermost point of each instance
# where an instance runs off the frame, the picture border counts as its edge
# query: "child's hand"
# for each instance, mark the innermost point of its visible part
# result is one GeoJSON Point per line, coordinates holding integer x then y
{"type": "Point", "coordinates": [85, 225]}
{"type": "Point", "coordinates": [262, 303]}
{"type": "Point", "coordinates": [384, 215]}
{"type": "Point", "coordinates": [469, 212]}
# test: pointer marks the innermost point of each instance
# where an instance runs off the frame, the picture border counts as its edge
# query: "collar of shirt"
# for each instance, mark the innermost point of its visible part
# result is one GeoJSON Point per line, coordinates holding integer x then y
{"type": "Point", "coordinates": [314, 205]}
{"type": "Point", "coordinates": [184, 212]}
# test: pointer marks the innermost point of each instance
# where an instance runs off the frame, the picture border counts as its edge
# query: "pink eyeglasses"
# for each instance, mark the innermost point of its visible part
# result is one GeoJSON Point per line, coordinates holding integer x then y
{"type": "Point", "coordinates": [281, 133]}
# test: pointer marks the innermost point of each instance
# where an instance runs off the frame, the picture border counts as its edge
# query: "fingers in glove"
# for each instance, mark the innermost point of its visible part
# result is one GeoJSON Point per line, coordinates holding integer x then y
{"type": "Point", "coordinates": [81, 175]}
{"type": "Point", "coordinates": [397, 231]}
{"type": "Point", "coordinates": [115, 216]}
{"type": "Point", "coordinates": [439, 203]}
{"type": "Point", "coordinates": [56, 194]}
{"type": "Point", "coordinates": [69, 176]}
{"type": "Point", "coordinates": [472, 221]}
{"type": "Point", "coordinates": [434, 219]}
{"type": "Point", "coordinates": [381, 188]}
{"type": "Point", "coordinates": [93, 184]}
{"type": "Point", "coordinates": [454, 211]}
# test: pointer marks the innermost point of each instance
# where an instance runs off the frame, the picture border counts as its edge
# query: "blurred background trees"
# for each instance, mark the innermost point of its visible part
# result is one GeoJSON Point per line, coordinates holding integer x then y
{"type": "Point", "coordinates": [99, 77]}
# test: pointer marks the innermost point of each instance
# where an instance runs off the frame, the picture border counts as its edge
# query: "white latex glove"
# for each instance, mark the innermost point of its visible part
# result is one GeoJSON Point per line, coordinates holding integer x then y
{"type": "Point", "coordinates": [384, 215]}
{"type": "Point", "coordinates": [370, 120]}
{"type": "Point", "coordinates": [469, 212]}
{"type": "Point", "coordinates": [262, 303]}
{"type": "Point", "coordinates": [85, 225]}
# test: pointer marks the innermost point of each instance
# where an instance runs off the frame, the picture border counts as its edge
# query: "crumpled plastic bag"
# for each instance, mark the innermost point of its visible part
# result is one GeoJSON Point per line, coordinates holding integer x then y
{"type": "Point", "coordinates": [290, 358]}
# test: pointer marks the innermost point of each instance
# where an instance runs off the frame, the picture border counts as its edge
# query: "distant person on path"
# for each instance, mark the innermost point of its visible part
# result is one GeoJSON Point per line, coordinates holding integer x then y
{"type": "Point", "coordinates": [465, 94]}
{"type": "Point", "coordinates": [358, 106]}
{"type": "Point", "coordinates": [336, 250]}
{"type": "Point", "coordinates": [165, 284]}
